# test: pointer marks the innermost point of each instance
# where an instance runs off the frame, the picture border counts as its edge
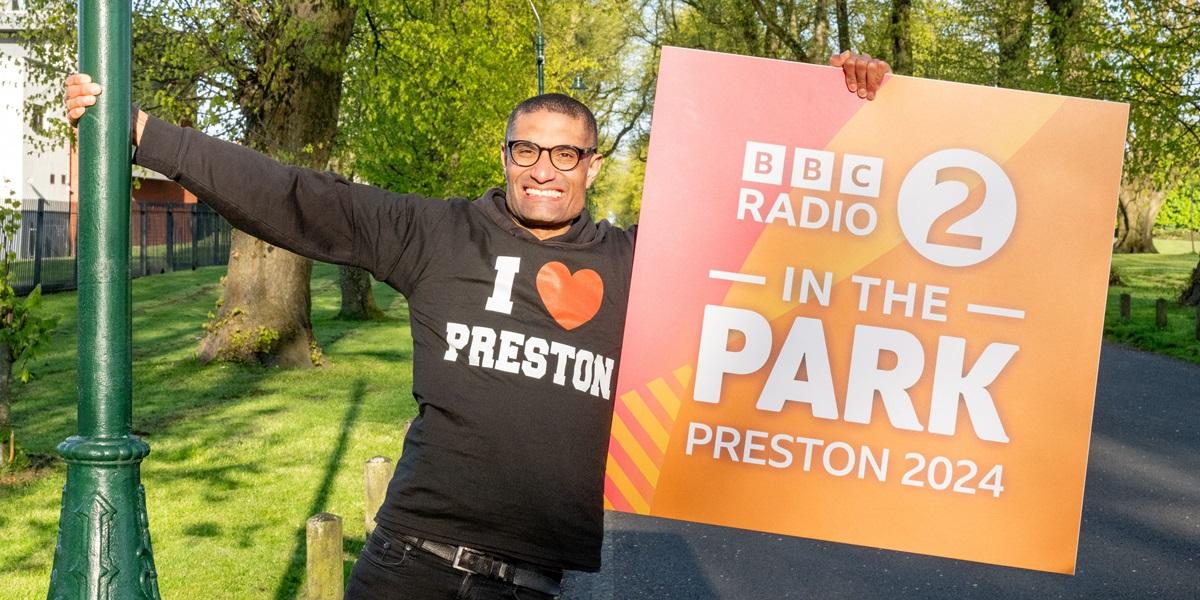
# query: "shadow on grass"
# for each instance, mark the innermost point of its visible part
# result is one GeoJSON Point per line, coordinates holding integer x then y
{"type": "Point", "coordinates": [166, 393]}
{"type": "Point", "coordinates": [393, 356]}
{"type": "Point", "coordinates": [289, 584]}
{"type": "Point", "coordinates": [167, 318]}
{"type": "Point", "coordinates": [166, 325]}
{"type": "Point", "coordinates": [189, 414]}
{"type": "Point", "coordinates": [26, 561]}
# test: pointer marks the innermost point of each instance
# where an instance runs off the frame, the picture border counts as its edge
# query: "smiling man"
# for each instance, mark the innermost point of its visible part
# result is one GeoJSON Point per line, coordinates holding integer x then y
{"type": "Point", "coordinates": [545, 196]}
{"type": "Point", "coordinates": [517, 307]}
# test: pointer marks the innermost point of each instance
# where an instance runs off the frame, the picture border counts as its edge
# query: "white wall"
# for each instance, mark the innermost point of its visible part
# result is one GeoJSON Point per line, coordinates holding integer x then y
{"type": "Point", "coordinates": [12, 95]}
{"type": "Point", "coordinates": [30, 174]}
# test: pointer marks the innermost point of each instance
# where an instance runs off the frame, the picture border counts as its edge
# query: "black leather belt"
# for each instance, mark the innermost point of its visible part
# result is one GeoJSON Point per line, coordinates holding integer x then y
{"type": "Point", "coordinates": [482, 563]}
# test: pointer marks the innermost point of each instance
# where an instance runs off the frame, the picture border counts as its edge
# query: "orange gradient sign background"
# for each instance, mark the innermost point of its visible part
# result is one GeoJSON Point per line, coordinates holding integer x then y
{"type": "Point", "coordinates": [900, 303]}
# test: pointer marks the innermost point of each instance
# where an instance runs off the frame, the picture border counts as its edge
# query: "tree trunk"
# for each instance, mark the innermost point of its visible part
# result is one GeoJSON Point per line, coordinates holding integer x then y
{"type": "Point", "coordinates": [358, 302]}
{"type": "Point", "coordinates": [291, 109]}
{"type": "Point", "coordinates": [1064, 25]}
{"type": "Point", "coordinates": [843, 26]}
{"type": "Point", "coordinates": [1137, 210]}
{"type": "Point", "coordinates": [820, 35]}
{"type": "Point", "coordinates": [1014, 32]}
{"type": "Point", "coordinates": [265, 306]}
{"type": "Point", "coordinates": [901, 55]}
{"type": "Point", "coordinates": [1191, 294]}
{"type": "Point", "coordinates": [6, 361]}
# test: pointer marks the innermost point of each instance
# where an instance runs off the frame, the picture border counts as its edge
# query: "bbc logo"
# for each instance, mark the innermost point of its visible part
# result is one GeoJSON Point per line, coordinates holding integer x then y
{"type": "Point", "coordinates": [812, 169]}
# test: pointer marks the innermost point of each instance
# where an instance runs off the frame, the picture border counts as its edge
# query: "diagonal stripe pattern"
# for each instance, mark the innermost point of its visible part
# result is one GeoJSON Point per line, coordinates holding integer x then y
{"type": "Point", "coordinates": [642, 421]}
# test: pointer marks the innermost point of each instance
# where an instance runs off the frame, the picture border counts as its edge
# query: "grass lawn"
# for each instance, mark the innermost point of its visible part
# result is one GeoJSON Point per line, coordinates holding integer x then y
{"type": "Point", "coordinates": [1148, 277]}
{"type": "Point", "coordinates": [1183, 246]}
{"type": "Point", "coordinates": [240, 456]}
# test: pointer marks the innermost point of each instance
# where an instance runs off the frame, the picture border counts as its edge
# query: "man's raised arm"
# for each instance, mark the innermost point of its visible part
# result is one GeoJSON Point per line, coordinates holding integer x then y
{"type": "Point", "coordinates": [316, 214]}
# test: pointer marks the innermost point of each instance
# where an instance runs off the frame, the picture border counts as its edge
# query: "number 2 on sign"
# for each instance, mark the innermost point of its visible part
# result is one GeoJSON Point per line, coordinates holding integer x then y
{"type": "Point", "coordinates": [940, 473]}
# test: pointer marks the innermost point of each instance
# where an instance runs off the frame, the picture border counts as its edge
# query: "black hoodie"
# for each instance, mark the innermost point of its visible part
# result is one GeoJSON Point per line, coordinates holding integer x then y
{"type": "Point", "coordinates": [515, 341]}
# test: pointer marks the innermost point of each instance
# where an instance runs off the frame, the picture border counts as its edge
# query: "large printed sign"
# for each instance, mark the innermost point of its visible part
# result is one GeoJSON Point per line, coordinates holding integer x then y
{"type": "Point", "coordinates": [869, 322]}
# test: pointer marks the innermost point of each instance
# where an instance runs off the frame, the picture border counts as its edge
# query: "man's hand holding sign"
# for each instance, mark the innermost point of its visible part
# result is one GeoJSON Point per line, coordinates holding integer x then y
{"type": "Point", "coordinates": [863, 74]}
{"type": "Point", "coordinates": [869, 343]}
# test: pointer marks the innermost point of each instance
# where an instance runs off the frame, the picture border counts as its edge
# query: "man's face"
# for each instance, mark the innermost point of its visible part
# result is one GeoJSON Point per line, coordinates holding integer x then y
{"type": "Point", "coordinates": [541, 198]}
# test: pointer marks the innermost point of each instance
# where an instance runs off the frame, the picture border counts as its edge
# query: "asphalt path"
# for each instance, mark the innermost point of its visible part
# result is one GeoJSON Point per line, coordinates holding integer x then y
{"type": "Point", "coordinates": [1140, 535]}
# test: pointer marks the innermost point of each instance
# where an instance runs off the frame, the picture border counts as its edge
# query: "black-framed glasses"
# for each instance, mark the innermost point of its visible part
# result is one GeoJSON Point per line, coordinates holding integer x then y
{"type": "Point", "coordinates": [564, 157]}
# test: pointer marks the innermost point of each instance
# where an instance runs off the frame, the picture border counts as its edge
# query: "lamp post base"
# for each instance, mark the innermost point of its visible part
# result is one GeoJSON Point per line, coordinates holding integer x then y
{"type": "Point", "coordinates": [103, 550]}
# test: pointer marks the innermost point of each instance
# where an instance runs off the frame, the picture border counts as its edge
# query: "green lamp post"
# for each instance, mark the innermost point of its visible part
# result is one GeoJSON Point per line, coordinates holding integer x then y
{"type": "Point", "coordinates": [103, 550]}
{"type": "Point", "coordinates": [539, 47]}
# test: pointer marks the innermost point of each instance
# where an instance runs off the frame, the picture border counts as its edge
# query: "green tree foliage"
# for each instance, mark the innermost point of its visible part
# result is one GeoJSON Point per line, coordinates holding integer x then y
{"type": "Point", "coordinates": [1182, 208]}
{"type": "Point", "coordinates": [267, 74]}
{"type": "Point", "coordinates": [1151, 59]}
{"type": "Point", "coordinates": [785, 29]}
{"type": "Point", "coordinates": [22, 328]}
{"type": "Point", "coordinates": [173, 77]}
{"type": "Point", "coordinates": [617, 194]}
{"type": "Point", "coordinates": [430, 84]}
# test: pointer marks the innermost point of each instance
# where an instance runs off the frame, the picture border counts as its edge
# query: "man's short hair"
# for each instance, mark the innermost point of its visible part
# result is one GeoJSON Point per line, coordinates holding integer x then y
{"type": "Point", "coordinates": [557, 103]}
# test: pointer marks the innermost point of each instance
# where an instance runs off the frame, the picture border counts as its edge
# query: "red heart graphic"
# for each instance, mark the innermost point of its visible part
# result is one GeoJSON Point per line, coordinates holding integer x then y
{"type": "Point", "coordinates": [571, 299]}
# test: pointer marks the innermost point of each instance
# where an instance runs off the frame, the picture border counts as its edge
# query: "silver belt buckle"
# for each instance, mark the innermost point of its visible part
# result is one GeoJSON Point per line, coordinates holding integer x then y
{"type": "Point", "coordinates": [458, 554]}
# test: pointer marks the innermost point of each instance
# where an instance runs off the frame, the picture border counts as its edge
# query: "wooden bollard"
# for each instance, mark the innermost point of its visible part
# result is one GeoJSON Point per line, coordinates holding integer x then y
{"type": "Point", "coordinates": [1160, 313]}
{"type": "Point", "coordinates": [1126, 311]}
{"type": "Point", "coordinates": [324, 581]}
{"type": "Point", "coordinates": [1198, 323]}
{"type": "Point", "coordinates": [376, 475]}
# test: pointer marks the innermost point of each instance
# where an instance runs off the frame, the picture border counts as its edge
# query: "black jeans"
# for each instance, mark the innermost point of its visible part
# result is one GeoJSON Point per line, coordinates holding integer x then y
{"type": "Point", "coordinates": [390, 570]}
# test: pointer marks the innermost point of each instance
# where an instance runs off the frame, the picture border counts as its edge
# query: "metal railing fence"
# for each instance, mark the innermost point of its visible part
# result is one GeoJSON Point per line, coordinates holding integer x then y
{"type": "Point", "coordinates": [164, 237]}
